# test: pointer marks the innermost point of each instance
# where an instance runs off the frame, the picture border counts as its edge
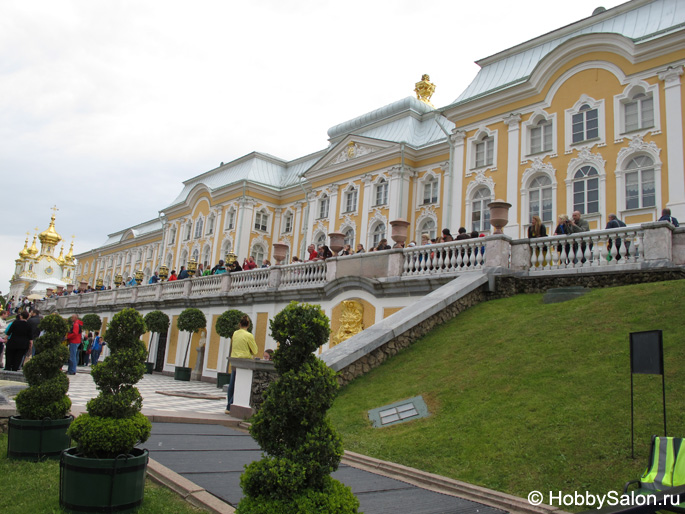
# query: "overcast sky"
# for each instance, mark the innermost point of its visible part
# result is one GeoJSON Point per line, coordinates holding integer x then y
{"type": "Point", "coordinates": [107, 106]}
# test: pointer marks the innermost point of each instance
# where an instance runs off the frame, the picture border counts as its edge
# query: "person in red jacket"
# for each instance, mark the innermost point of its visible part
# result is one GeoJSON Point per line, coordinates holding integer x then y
{"type": "Point", "coordinates": [249, 263]}
{"type": "Point", "coordinates": [74, 340]}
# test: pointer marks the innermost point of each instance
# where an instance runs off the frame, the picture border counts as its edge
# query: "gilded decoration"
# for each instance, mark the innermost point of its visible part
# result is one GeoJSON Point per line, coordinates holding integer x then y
{"type": "Point", "coordinates": [352, 151]}
{"type": "Point", "coordinates": [351, 321]}
{"type": "Point", "coordinates": [424, 89]}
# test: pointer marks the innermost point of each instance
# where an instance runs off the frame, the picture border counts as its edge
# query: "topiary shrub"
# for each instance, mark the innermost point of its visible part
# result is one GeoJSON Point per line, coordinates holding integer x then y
{"type": "Point", "coordinates": [302, 447]}
{"type": "Point", "coordinates": [228, 323]}
{"type": "Point", "coordinates": [47, 395]}
{"type": "Point", "coordinates": [114, 424]}
{"type": "Point", "coordinates": [190, 320]}
{"type": "Point", "coordinates": [91, 322]}
{"type": "Point", "coordinates": [158, 322]}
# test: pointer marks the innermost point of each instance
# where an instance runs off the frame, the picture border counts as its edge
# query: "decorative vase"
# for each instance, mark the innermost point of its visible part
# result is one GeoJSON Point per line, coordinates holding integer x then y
{"type": "Point", "coordinates": [280, 251]}
{"type": "Point", "coordinates": [400, 229]}
{"type": "Point", "coordinates": [337, 242]}
{"type": "Point", "coordinates": [182, 373]}
{"type": "Point", "coordinates": [499, 215]}
{"type": "Point", "coordinates": [31, 439]}
{"type": "Point", "coordinates": [149, 367]}
{"type": "Point", "coordinates": [222, 379]}
{"type": "Point", "coordinates": [102, 485]}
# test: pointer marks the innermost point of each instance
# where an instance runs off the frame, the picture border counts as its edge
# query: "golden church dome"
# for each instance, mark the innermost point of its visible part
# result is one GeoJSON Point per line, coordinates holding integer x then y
{"type": "Point", "coordinates": [70, 256]}
{"type": "Point", "coordinates": [33, 251]}
{"type": "Point", "coordinates": [25, 252]}
{"type": "Point", "coordinates": [60, 259]}
{"type": "Point", "coordinates": [50, 236]}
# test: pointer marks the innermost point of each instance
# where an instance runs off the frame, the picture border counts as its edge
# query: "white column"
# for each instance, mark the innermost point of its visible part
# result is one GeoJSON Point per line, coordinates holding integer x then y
{"type": "Point", "coordinates": [458, 138]}
{"type": "Point", "coordinates": [513, 121]}
{"type": "Point", "coordinates": [674, 140]}
{"type": "Point", "coordinates": [366, 206]}
{"type": "Point", "coordinates": [311, 209]}
{"type": "Point", "coordinates": [218, 230]}
{"type": "Point", "coordinates": [297, 229]}
{"type": "Point", "coordinates": [244, 220]}
{"type": "Point", "coordinates": [446, 196]}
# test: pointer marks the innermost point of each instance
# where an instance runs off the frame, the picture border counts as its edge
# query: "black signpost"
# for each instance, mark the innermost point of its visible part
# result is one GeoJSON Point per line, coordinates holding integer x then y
{"type": "Point", "coordinates": [646, 358]}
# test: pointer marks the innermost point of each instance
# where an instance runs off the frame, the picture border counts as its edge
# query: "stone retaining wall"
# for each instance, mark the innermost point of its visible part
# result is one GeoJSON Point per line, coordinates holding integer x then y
{"type": "Point", "coordinates": [506, 286]}
{"type": "Point", "coordinates": [261, 380]}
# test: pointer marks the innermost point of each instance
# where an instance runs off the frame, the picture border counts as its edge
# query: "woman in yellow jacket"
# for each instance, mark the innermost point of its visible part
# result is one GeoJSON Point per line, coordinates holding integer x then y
{"type": "Point", "coordinates": [243, 346]}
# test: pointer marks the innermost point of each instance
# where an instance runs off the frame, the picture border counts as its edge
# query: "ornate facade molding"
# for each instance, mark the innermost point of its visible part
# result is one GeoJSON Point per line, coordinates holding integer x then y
{"type": "Point", "coordinates": [480, 180]}
{"type": "Point", "coordinates": [537, 167]}
{"type": "Point", "coordinates": [352, 151]}
{"type": "Point", "coordinates": [671, 75]}
{"type": "Point", "coordinates": [638, 145]}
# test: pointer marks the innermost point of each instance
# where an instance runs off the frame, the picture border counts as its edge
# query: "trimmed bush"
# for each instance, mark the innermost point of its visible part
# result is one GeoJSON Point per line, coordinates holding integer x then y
{"type": "Point", "coordinates": [228, 323]}
{"type": "Point", "coordinates": [91, 322]}
{"type": "Point", "coordinates": [46, 396]}
{"type": "Point", "coordinates": [114, 424]}
{"type": "Point", "coordinates": [157, 321]}
{"type": "Point", "coordinates": [301, 445]}
{"type": "Point", "coordinates": [190, 320]}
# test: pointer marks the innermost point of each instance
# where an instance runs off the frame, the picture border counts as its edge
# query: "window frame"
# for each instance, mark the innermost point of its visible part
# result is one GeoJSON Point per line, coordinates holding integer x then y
{"type": "Point", "coordinates": [381, 189]}
{"type": "Point", "coordinates": [324, 204]}
{"type": "Point", "coordinates": [592, 105]}
{"type": "Point", "coordinates": [351, 199]}
{"type": "Point", "coordinates": [261, 221]}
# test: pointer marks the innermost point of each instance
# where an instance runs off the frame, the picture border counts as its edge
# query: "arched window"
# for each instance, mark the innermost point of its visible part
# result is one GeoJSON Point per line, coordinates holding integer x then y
{"type": "Point", "coordinates": [639, 178]}
{"type": "Point", "coordinates": [169, 260]}
{"type": "Point", "coordinates": [378, 233]}
{"type": "Point", "coordinates": [585, 124]}
{"type": "Point", "coordinates": [320, 240]}
{"type": "Point", "coordinates": [225, 249]}
{"type": "Point", "coordinates": [349, 237]}
{"type": "Point", "coordinates": [258, 254]}
{"type": "Point", "coordinates": [541, 137]}
{"type": "Point", "coordinates": [586, 190]}
{"type": "Point", "coordinates": [184, 259]}
{"type": "Point", "coordinates": [429, 227]}
{"type": "Point", "coordinates": [206, 256]}
{"type": "Point", "coordinates": [540, 198]}
{"type": "Point", "coordinates": [480, 214]}
{"type": "Point", "coordinates": [172, 235]}
{"type": "Point", "coordinates": [189, 228]}
{"type": "Point", "coordinates": [196, 255]}
{"type": "Point", "coordinates": [210, 224]}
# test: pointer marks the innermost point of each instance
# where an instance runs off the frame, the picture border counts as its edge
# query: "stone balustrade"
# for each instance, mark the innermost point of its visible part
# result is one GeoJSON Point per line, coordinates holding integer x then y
{"type": "Point", "coordinates": [637, 247]}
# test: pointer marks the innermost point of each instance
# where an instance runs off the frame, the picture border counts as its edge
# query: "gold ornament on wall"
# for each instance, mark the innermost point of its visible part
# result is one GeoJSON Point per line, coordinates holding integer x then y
{"type": "Point", "coordinates": [424, 89]}
{"type": "Point", "coordinates": [351, 321]}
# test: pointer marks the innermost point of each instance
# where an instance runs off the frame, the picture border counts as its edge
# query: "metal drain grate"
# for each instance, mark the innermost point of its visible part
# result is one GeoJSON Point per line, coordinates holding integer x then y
{"type": "Point", "coordinates": [405, 410]}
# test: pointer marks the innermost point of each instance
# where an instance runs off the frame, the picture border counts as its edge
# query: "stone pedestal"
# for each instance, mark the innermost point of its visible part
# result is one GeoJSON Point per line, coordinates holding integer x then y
{"type": "Point", "coordinates": [196, 374]}
{"type": "Point", "coordinates": [245, 370]}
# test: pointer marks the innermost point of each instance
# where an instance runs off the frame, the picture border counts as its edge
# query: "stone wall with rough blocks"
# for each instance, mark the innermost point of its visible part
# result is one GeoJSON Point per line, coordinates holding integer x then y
{"type": "Point", "coordinates": [261, 380]}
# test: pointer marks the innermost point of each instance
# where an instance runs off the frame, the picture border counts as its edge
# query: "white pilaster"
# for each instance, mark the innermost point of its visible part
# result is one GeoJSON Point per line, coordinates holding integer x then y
{"type": "Point", "coordinates": [245, 219]}
{"type": "Point", "coordinates": [513, 121]}
{"type": "Point", "coordinates": [674, 139]}
{"type": "Point", "coordinates": [333, 207]}
{"type": "Point", "coordinates": [458, 138]}
{"type": "Point", "coordinates": [366, 206]}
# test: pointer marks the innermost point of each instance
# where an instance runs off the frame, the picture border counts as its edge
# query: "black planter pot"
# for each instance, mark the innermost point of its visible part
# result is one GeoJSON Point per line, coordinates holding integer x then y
{"type": "Point", "coordinates": [102, 485]}
{"type": "Point", "coordinates": [181, 373]}
{"type": "Point", "coordinates": [29, 439]}
{"type": "Point", "coordinates": [149, 367]}
{"type": "Point", "coordinates": [222, 379]}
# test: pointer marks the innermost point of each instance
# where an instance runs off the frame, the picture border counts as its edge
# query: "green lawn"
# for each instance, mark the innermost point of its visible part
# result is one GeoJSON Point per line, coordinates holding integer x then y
{"type": "Point", "coordinates": [31, 488]}
{"type": "Point", "coordinates": [525, 396]}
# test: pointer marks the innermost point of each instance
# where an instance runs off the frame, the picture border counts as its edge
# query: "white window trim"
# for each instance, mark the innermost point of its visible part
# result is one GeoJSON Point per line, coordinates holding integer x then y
{"type": "Point", "coordinates": [323, 196]}
{"type": "Point", "coordinates": [471, 149]}
{"type": "Point", "coordinates": [624, 98]}
{"type": "Point", "coordinates": [430, 174]}
{"type": "Point", "coordinates": [200, 219]}
{"type": "Point", "coordinates": [537, 169]}
{"type": "Point", "coordinates": [473, 186]}
{"type": "Point", "coordinates": [586, 158]}
{"type": "Point", "coordinates": [600, 140]}
{"type": "Point", "coordinates": [532, 123]}
{"type": "Point", "coordinates": [227, 225]}
{"type": "Point", "coordinates": [636, 148]}
{"type": "Point", "coordinates": [211, 223]}
{"type": "Point", "coordinates": [287, 214]}
{"type": "Point", "coordinates": [352, 188]}
{"type": "Point", "coordinates": [374, 190]}
{"type": "Point", "coordinates": [263, 212]}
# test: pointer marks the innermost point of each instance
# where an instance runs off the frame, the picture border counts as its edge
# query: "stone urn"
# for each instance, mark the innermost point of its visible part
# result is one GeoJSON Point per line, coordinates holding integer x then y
{"type": "Point", "coordinates": [499, 215]}
{"type": "Point", "coordinates": [280, 251]}
{"type": "Point", "coordinates": [337, 242]}
{"type": "Point", "coordinates": [82, 286]}
{"type": "Point", "coordinates": [400, 229]}
{"type": "Point", "coordinates": [60, 289]}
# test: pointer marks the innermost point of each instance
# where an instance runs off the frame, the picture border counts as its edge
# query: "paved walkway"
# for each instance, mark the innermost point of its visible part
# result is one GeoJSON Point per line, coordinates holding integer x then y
{"type": "Point", "coordinates": [201, 449]}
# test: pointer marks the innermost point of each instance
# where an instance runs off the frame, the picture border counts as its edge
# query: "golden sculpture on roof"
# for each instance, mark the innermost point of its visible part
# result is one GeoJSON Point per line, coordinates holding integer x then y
{"type": "Point", "coordinates": [424, 89]}
{"type": "Point", "coordinates": [50, 236]}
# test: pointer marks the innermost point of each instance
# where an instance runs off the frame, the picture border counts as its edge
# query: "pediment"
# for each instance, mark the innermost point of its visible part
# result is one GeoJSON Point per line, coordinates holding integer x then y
{"type": "Point", "coordinates": [351, 148]}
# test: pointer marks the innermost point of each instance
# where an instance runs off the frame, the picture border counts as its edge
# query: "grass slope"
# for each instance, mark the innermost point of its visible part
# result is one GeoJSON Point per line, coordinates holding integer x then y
{"type": "Point", "coordinates": [525, 396]}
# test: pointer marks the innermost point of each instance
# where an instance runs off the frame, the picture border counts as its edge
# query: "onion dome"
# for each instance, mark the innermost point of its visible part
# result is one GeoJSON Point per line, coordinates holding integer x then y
{"type": "Point", "coordinates": [50, 236]}
{"type": "Point", "coordinates": [25, 252]}
{"type": "Point", "coordinates": [70, 256]}
{"type": "Point", "coordinates": [33, 251]}
{"type": "Point", "coordinates": [60, 259]}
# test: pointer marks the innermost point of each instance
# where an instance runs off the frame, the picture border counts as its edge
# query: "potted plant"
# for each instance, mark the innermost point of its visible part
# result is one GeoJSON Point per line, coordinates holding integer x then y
{"type": "Point", "coordinates": [225, 325]}
{"type": "Point", "coordinates": [156, 322]}
{"type": "Point", "coordinates": [40, 430]}
{"type": "Point", "coordinates": [190, 320]}
{"type": "Point", "coordinates": [301, 448]}
{"type": "Point", "coordinates": [105, 457]}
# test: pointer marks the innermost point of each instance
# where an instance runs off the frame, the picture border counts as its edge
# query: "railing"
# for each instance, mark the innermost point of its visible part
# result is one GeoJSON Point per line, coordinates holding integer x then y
{"type": "Point", "coordinates": [651, 244]}
{"type": "Point", "coordinates": [604, 248]}
{"type": "Point", "coordinates": [466, 255]}
{"type": "Point", "coordinates": [305, 274]}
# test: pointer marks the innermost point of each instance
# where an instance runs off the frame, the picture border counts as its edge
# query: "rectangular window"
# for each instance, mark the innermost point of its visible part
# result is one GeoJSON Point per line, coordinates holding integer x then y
{"type": "Point", "coordinates": [639, 114]}
{"type": "Point", "coordinates": [585, 125]}
{"type": "Point", "coordinates": [541, 138]}
{"type": "Point", "coordinates": [430, 192]}
{"type": "Point", "coordinates": [260, 221]}
{"type": "Point", "coordinates": [382, 193]}
{"type": "Point", "coordinates": [323, 207]}
{"type": "Point", "coordinates": [640, 190]}
{"type": "Point", "coordinates": [230, 220]}
{"type": "Point", "coordinates": [484, 152]}
{"type": "Point", "coordinates": [288, 223]}
{"type": "Point", "coordinates": [351, 201]}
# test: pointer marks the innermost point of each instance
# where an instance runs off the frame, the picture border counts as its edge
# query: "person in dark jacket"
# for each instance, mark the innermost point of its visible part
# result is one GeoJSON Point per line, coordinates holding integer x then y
{"type": "Point", "coordinates": [19, 342]}
{"type": "Point", "coordinates": [34, 319]}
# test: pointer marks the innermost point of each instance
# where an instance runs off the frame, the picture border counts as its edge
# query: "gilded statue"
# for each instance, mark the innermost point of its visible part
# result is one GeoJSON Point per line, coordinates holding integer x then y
{"type": "Point", "coordinates": [424, 89]}
{"type": "Point", "coordinates": [351, 321]}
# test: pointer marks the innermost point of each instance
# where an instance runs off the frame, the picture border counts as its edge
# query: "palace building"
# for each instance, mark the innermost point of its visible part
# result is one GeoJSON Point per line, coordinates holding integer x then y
{"type": "Point", "coordinates": [588, 117]}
